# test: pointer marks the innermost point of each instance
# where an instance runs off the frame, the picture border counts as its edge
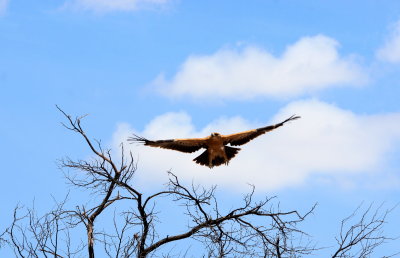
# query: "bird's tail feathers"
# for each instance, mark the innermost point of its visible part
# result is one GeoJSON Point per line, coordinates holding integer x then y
{"type": "Point", "coordinates": [204, 158]}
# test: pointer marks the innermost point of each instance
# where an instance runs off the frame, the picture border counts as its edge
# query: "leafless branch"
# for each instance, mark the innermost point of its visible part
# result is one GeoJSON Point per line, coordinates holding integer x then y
{"type": "Point", "coordinates": [361, 238]}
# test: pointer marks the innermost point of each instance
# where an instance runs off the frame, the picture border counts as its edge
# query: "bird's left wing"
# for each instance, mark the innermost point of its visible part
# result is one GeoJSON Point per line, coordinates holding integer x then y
{"type": "Point", "coordinates": [246, 136]}
{"type": "Point", "coordinates": [183, 145]}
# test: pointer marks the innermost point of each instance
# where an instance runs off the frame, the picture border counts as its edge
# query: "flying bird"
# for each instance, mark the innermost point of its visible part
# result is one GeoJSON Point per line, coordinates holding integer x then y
{"type": "Point", "coordinates": [217, 150]}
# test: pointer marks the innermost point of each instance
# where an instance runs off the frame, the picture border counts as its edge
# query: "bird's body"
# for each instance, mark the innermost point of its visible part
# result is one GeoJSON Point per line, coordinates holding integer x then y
{"type": "Point", "coordinates": [217, 150]}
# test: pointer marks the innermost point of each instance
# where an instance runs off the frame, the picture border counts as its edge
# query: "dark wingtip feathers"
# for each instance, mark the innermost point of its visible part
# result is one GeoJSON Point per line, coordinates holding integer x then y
{"type": "Point", "coordinates": [293, 117]}
{"type": "Point", "coordinates": [138, 139]}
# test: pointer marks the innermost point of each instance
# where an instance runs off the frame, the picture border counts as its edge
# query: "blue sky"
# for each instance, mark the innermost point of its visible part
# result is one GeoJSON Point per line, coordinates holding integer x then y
{"type": "Point", "coordinates": [176, 68]}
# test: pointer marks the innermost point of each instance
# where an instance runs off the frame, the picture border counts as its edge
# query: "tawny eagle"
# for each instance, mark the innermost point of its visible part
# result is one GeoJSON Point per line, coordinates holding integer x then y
{"type": "Point", "coordinates": [217, 152]}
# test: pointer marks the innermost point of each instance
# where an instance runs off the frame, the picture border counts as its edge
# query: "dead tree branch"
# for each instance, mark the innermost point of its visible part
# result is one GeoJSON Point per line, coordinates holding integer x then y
{"type": "Point", "coordinates": [362, 237]}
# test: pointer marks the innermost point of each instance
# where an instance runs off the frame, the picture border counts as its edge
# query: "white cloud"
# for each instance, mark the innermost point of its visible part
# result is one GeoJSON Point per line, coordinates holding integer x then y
{"type": "Point", "coordinates": [327, 143]}
{"type": "Point", "coordinates": [3, 6]}
{"type": "Point", "coordinates": [310, 64]}
{"type": "Point", "coordinates": [101, 6]}
{"type": "Point", "coordinates": [390, 51]}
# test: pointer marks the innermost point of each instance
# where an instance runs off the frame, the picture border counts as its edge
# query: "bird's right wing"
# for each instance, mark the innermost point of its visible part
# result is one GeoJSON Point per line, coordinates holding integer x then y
{"type": "Point", "coordinates": [183, 145]}
{"type": "Point", "coordinates": [245, 137]}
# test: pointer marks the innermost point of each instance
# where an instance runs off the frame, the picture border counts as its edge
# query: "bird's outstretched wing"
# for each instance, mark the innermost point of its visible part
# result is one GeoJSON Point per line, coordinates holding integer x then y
{"type": "Point", "coordinates": [183, 145]}
{"type": "Point", "coordinates": [246, 136]}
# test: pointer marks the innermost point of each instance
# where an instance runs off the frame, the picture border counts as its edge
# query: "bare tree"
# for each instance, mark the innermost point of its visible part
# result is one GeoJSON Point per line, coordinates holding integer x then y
{"type": "Point", "coordinates": [360, 238]}
{"type": "Point", "coordinates": [34, 236]}
{"type": "Point", "coordinates": [256, 228]}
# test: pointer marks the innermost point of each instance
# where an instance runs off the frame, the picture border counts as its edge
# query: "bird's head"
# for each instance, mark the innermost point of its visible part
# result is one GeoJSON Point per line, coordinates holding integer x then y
{"type": "Point", "coordinates": [215, 135]}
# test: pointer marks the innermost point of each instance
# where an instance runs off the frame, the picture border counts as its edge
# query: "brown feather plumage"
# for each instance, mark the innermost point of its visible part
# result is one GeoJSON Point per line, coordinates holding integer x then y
{"type": "Point", "coordinates": [216, 153]}
{"type": "Point", "coordinates": [246, 136]}
{"type": "Point", "coordinates": [183, 145]}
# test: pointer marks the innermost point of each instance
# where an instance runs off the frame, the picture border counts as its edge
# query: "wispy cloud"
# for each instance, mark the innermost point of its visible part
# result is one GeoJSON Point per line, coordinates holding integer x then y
{"type": "Point", "coordinates": [327, 143]}
{"type": "Point", "coordinates": [3, 6]}
{"type": "Point", "coordinates": [103, 6]}
{"type": "Point", "coordinates": [390, 51]}
{"type": "Point", "coordinates": [310, 64]}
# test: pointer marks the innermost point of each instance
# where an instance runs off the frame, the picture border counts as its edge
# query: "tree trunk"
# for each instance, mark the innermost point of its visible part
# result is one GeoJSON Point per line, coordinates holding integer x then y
{"type": "Point", "coordinates": [89, 229]}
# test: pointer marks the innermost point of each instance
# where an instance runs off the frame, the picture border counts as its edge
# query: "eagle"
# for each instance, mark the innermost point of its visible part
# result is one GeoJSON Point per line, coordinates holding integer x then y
{"type": "Point", "coordinates": [217, 150]}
